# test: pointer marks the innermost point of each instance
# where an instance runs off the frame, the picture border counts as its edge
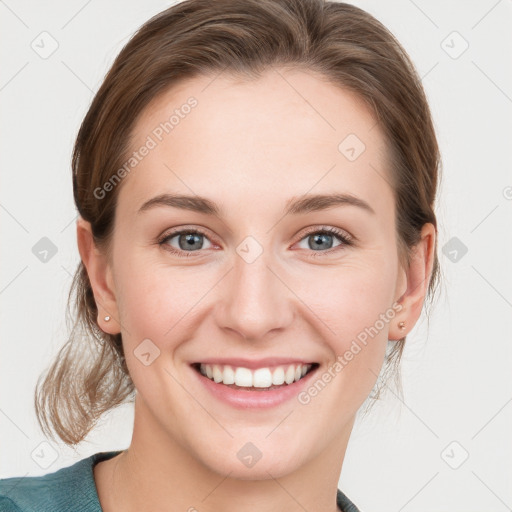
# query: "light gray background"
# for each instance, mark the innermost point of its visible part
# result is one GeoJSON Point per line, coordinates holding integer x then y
{"type": "Point", "coordinates": [458, 390]}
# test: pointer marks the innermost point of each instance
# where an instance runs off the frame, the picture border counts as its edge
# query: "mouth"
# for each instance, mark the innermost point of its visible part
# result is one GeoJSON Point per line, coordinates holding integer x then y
{"type": "Point", "coordinates": [259, 380]}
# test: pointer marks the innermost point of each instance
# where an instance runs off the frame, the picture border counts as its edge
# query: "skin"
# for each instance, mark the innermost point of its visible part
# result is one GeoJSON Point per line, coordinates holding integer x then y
{"type": "Point", "coordinates": [249, 146]}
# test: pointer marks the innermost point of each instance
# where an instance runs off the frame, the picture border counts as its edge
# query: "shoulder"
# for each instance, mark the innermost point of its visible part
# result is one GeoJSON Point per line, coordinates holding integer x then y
{"type": "Point", "coordinates": [344, 504]}
{"type": "Point", "coordinates": [7, 505]}
{"type": "Point", "coordinates": [69, 488]}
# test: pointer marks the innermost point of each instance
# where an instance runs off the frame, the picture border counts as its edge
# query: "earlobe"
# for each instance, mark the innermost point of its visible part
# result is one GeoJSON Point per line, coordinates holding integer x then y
{"type": "Point", "coordinates": [100, 277]}
{"type": "Point", "coordinates": [417, 278]}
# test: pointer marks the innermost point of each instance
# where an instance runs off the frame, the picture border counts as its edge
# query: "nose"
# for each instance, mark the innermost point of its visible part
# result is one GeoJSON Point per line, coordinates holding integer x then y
{"type": "Point", "coordinates": [255, 300]}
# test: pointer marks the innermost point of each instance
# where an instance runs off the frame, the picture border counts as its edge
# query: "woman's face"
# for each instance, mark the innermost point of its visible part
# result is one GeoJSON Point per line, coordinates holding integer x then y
{"type": "Point", "coordinates": [260, 286]}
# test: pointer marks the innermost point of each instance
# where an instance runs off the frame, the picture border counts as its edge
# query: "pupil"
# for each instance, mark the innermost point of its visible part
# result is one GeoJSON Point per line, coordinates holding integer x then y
{"type": "Point", "coordinates": [318, 239]}
{"type": "Point", "coordinates": [190, 240]}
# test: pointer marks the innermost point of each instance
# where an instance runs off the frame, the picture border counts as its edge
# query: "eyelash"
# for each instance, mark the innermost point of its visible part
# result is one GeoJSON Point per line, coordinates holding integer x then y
{"type": "Point", "coordinates": [346, 240]}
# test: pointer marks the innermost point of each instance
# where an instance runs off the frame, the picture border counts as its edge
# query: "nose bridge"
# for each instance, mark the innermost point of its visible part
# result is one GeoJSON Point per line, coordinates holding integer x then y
{"type": "Point", "coordinates": [256, 301]}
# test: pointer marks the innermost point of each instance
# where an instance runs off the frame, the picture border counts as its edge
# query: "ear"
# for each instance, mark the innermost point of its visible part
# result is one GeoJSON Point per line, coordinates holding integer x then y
{"type": "Point", "coordinates": [100, 277]}
{"type": "Point", "coordinates": [417, 278]}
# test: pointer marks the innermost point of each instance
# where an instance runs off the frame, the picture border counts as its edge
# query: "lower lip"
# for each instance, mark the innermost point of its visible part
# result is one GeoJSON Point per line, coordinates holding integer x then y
{"type": "Point", "coordinates": [245, 399]}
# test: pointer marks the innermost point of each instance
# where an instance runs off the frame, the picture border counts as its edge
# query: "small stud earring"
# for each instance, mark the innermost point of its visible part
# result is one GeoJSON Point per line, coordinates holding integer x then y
{"type": "Point", "coordinates": [107, 318]}
{"type": "Point", "coordinates": [401, 325]}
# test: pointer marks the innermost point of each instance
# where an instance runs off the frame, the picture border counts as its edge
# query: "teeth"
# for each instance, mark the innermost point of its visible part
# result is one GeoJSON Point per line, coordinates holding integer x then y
{"type": "Point", "coordinates": [217, 373]}
{"type": "Point", "coordinates": [260, 378]}
{"type": "Point", "coordinates": [289, 376]}
{"type": "Point", "coordinates": [243, 377]}
{"type": "Point", "coordinates": [228, 375]}
{"type": "Point", "coordinates": [278, 376]}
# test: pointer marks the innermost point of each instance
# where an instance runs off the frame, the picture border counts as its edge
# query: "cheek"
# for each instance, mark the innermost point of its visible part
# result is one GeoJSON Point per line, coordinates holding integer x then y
{"type": "Point", "coordinates": [158, 301]}
{"type": "Point", "coordinates": [350, 298]}
{"type": "Point", "coordinates": [354, 302]}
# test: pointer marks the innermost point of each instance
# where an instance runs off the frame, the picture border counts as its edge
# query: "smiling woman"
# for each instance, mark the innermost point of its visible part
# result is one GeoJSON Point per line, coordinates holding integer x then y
{"type": "Point", "coordinates": [250, 280]}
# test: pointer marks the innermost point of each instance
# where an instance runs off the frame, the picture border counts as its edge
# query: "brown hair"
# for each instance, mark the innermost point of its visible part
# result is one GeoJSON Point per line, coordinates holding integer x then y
{"type": "Point", "coordinates": [341, 42]}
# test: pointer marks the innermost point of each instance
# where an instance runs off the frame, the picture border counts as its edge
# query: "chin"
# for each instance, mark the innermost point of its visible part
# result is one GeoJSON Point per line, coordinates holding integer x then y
{"type": "Point", "coordinates": [255, 461]}
{"type": "Point", "coordinates": [262, 470]}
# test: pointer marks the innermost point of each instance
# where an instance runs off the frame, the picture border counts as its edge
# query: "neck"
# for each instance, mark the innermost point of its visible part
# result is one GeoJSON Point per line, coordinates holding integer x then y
{"type": "Point", "coordinates": [157, 473]}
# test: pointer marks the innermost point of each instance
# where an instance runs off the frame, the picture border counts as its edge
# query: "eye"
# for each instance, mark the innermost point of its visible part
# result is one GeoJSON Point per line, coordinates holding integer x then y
{"type": "Point", "coordinates": [187, 241]}
{"type": "Point", "coordinates": [323, 238]}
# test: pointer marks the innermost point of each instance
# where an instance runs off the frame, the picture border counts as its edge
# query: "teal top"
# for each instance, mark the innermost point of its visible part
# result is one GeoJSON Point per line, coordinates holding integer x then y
{"type": "Point", "coordinates": [73, 489]}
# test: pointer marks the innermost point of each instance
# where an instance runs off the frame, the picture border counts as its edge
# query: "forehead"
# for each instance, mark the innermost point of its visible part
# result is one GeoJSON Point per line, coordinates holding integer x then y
{"type": "Point", "coordinates": [285, 133]}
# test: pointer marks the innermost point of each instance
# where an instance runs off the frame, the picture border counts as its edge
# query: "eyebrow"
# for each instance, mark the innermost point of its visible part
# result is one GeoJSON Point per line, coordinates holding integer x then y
{"type": "Point", "coordinates": [294, 206]}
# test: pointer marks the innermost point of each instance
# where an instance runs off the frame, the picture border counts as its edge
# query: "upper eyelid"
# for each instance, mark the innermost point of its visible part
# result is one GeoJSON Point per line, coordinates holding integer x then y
{"type": "Point", "coordinates": [179, 231]}
{"type": "Point", "coordinates": [333, 230]}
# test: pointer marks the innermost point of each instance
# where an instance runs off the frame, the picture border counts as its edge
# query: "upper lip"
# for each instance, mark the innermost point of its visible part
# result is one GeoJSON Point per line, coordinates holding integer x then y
{"type": "Point", "coordinates": [254, 363]}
